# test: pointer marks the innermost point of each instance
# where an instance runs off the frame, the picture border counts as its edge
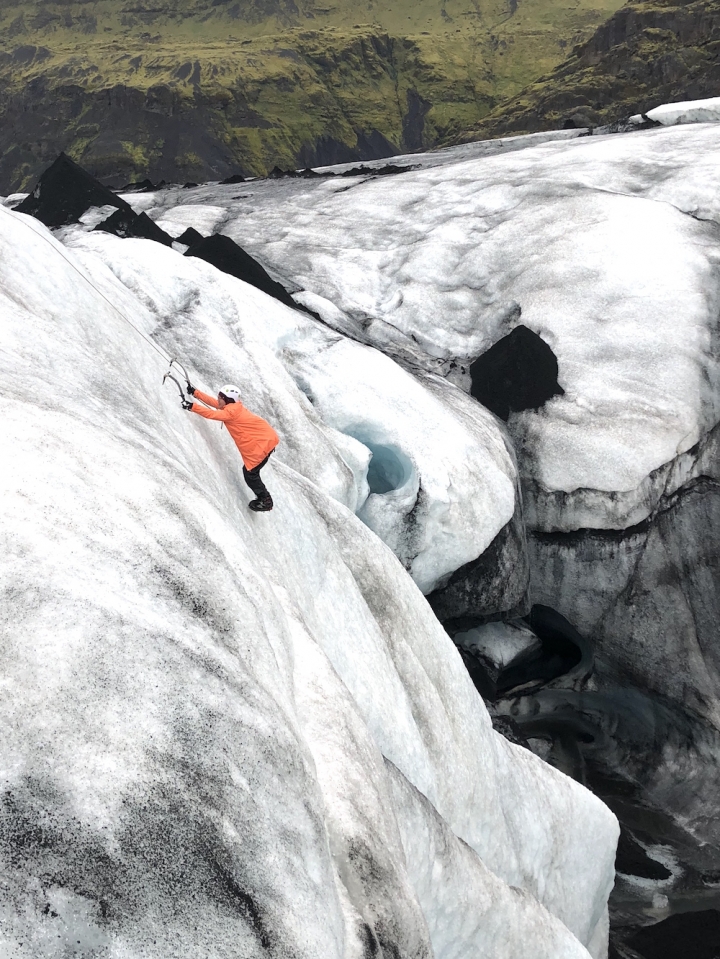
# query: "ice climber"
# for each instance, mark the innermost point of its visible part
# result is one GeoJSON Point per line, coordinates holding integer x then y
{"type": "Point", "coordinates": [255, 438]}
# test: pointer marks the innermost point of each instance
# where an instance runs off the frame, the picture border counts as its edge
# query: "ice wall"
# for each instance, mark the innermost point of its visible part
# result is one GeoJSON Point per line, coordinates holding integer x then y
{"type": "Point", "coordinates": [606, 247]}
{"type": "Point", "coordinates": [226, 733]}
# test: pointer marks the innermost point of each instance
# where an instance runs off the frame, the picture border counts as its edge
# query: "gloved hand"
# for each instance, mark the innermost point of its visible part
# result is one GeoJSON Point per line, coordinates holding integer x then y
{"type": "Point", "coordinates": [190, 390]}
{"type": "Point", "coordinates": [187, 405]}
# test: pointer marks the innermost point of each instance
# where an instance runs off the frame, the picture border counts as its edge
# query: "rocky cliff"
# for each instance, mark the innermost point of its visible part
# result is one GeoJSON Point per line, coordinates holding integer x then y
{"type": "Point", "coordinates": [193, 90]}
{"type": "Point", "coordinates": [646, 54]}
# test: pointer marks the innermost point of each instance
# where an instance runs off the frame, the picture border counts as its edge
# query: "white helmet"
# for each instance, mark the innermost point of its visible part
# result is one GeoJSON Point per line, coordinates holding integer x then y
{"type": "Point", "coordinates": [231, 393]}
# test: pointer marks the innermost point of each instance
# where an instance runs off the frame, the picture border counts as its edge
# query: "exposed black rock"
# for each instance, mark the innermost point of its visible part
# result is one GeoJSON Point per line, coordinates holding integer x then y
{"type": "Point", "coordinates": [189, 186]}
{"type": "Point", "coordinates": [389, 169]}
{"type": "Point", "coordinates": [520, 372]}
{"type": "Point", "coordinates": [691, 934]}
{"type": "Point", "coordinates": [226, 255]}
{"type": "Point", "coordinates": [190, 236]}
{"type": "Point", "coordinates": [127, 223]}
{"type": "Point", "coordinates": [632, 860]}
{"type": "Point", "coordinates": [309, 174]}
{"type": "Point", "coordinates": [64, 192]}
{"type": "Point", "coordinates": [143, 186]}
{"type": "Point", "coordinates": [235, 178]}
{"type": "Point", "coordinates": [495, 583]}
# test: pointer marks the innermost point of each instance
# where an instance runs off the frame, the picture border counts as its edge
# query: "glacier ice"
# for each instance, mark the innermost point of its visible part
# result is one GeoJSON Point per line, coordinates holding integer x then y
{"type": "Point", "coordinates": [588, 237]}
{"type": "Point", "coordinates": [423, 460]}
{"type": "Point", "coordinates": [230, 734]}
{"type": "Point", "coordinates": [428, 518]}
{"type": "Point", "coordinates": [607, 248]}
{"type": "Point", "coordinates": [687, 111]}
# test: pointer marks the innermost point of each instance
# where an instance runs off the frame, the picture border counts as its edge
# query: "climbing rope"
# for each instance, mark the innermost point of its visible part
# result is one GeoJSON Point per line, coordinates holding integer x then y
{"type": "Point", "coordinates": [59, 249]}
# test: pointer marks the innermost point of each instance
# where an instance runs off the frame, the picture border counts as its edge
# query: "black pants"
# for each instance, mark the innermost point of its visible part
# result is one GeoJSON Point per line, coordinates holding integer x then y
{"type": "Point", "coordinates": [252, 478]}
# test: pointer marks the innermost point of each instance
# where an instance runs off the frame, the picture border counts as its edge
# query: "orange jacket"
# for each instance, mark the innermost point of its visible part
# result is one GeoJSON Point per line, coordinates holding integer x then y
{"type": "Point", "coordinates": [255, 438]}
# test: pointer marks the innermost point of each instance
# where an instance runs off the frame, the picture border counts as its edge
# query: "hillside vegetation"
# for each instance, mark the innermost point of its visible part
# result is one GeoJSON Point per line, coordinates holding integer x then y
{"type": "Point", "coordinates": [647, 53]}
{"type": "Point", "coordinates": [195, 89]}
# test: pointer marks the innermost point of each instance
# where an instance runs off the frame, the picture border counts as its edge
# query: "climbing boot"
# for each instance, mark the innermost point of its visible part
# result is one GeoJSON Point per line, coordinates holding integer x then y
{"type": "Point", "coordinates": [262, 504]}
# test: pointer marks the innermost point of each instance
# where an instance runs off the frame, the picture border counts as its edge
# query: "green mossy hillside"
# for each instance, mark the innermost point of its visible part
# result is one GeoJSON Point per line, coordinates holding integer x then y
{"type": "Point", "coordinates": [196, 89]}
{"type": "Point", "coordinates": [645, 54]}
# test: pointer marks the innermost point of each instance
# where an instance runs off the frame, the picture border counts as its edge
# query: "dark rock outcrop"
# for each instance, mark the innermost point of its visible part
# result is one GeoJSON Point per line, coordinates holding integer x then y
{"type": "Point", "coordinates": [190, 236]}
{"type": "Point", "coordinates": [519, 372]}
{"type": "Point", "coordinates": [235, 178]}
{"type": "Point", "coordinates": [126, 223]}
{"type": "Point", "coordinates": [390, 169]}
{"type": "Point", "coordinates": [226, 255]}
{"type": "Point", "coordinates": [309, 174]}
{"type": "Point", "coordinates": [143, 186]}
{"type": "Point", "coordinates": [65, 191]}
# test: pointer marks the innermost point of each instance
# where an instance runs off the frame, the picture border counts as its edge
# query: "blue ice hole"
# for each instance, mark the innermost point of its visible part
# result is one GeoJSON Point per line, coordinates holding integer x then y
{"type": "Point", "coordinates": [389, 468]}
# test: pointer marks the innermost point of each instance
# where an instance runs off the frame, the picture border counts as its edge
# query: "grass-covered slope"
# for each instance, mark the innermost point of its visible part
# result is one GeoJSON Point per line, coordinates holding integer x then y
{"type": "Point", "coordinates": [649, 52]}
{"type": "Point", "coordinates": [191, 89]}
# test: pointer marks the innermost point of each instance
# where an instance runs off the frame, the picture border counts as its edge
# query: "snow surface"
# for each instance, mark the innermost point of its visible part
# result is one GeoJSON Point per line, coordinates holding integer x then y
{"type": "Point", "coordinates": [13, 199]}
{"type": "Point", "coordinates": [688, 111]}
{"type": "Point", "coordinates": [201, 703]}
{"type": "Point", "coordinates": [463, 151]}
{"type": "Point", "coordinates": [443, 485]}
{"type": "Point", "coordinates": [590, 238]}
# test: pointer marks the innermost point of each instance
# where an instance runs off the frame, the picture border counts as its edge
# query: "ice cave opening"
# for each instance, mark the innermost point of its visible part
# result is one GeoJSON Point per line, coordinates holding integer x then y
{"type": "Point", "coordinates": [532, 651]}
{"type": "Point", "coordinates": [389, 468]}
{"type": "Point", "coordinates": [561, 649]}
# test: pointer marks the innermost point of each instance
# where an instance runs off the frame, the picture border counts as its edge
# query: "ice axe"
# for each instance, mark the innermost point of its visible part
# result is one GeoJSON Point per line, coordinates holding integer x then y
{"type": "Point", "coordinates": [177, 363]}
{"type": "Point", "coordinates": [169, 376]}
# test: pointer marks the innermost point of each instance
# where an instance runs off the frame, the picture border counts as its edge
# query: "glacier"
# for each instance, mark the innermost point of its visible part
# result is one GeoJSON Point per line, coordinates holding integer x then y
{"type": "Point", "coordinates": [686, 111]}
{"type": "Point", "coordinates": [234, 734]}
{"type": "Point", "coordinates": [265, 735]}
{"type": "Point", "coordinates": [605, 247]}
